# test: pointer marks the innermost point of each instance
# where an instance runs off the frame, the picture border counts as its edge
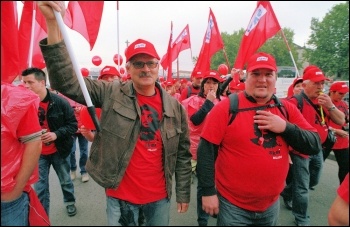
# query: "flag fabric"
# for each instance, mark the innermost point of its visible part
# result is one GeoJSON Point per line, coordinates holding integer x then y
{"type": "Point", "coordinates": [170, 68]}
{"type": "Point", "coordinates": [9, 41]}
{"type": "Point", "coordinates": [85, 18]}
{"type": "Point", "coordinates": [182, 42]}
{"type": "Point", "coordinates": [212, 43]}
{"type": "Point", "coordinates": [24, 37]}
{"type": "Point", "coordinates": [262, 26]}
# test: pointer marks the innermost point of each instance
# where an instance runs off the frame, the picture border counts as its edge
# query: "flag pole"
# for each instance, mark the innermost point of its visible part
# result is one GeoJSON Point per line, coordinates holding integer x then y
{"type": "Point", "coordinates": [30, 54]}
{"type": "Point", "coordinates": [228, 64]}
{"type": "Point", "coordinates": [118, 34]}
{"type": "Point", "coordinates": [89, 104]}
{"type": "Point", "coordinates": [290, 52]}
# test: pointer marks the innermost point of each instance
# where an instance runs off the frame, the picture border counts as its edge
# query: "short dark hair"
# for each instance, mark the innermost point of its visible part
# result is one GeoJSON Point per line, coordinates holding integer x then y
{"type": "Point", "coordinates": [38, 73]}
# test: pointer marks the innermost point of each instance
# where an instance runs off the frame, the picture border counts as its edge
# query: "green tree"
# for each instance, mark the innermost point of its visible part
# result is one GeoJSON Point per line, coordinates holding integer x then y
{"type": "Point", "coordinates": [275, 46]}
{"type": "Point", "coordinates": [329, 42]}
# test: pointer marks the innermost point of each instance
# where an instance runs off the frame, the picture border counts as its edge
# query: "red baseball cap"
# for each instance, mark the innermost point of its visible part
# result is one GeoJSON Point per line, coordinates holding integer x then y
{"type": "Point", "coordinates": [240, 86]}
{"type": "Point", "coordinates": [197, 74]}
{"type": "Point", "coordinates": [261, 61]}
{"type": "Point", "coordinates": [341, 87]}
{"type": "Point", "coordinates": [309, 67]}
{"type": "Point", "coordinates": [315, 75]}
{"type": "Point", "coordinates": [168, 83]}
{"type": "Point", "coordinates": [212, 74]}
{"type": "Point", "coordinates": [183, 81]}
{"type": "Point", "coordinates": [140, 46]}
{"type": "Point", "coordinates": [296, 81]}
{"type": "Point", "coordinates": [108, 70]}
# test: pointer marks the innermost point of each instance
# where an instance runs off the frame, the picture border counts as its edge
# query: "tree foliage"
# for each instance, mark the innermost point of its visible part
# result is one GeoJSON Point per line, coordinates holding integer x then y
{"type": "Point", "coordinates": [328, 45]}
{"type": "Point", "coordinates": [329, 42]}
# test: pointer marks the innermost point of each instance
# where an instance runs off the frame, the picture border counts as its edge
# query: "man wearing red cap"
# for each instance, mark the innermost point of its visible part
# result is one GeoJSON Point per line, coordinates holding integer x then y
{"type": "Point", "coordinates": [144, 137]}
{"type": "Point", "coordinates": [337, 91]}
{"type": "Point", "coordinates": [194, 88]}
{"type": "Point", "coordinates": [109, 74]}
{"type": "Point", "coordinates": [317, 108]}
{"type": "Point", "coordinates": [252, 151]}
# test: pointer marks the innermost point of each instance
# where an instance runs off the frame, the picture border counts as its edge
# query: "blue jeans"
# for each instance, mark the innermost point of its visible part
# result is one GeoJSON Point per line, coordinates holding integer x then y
{"type": "Point", "coordinates": [231, 215]}
{"type": "Point", "coordinates": [202, 216]}
{"type": "Point", "coordinates": [62, 168]}
{"type": "Point", "coordinates": [306, 173]}
{"type": "Point", "coordinates": [15, 213]}
{"type": "Point", "coordinates": [83, 146]}
{"type": "Point", "coordinates": [156, 213]}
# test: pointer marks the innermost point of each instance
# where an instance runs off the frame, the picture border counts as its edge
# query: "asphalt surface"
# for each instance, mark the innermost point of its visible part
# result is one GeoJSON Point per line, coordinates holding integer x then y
{"type": "Point", "coordinates": [91, 202]}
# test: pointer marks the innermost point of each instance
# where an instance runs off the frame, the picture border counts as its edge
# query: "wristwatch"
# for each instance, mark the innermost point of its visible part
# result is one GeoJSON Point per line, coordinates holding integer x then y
{"type": "Point", "coordinates": [332, 108]}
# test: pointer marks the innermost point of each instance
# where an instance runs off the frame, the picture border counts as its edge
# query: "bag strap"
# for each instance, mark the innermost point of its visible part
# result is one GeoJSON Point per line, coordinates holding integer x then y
{"type": "Point", "coordinates": [234, 107]}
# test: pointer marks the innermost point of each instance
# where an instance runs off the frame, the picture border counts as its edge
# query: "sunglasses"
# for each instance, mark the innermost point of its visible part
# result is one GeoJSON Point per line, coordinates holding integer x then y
{"type": "Point", "coordinates": [140, 64]}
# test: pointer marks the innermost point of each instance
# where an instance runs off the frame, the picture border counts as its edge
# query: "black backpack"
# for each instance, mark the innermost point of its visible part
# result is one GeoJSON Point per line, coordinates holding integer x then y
{"type": "Point", "coordinates": [234, 107]}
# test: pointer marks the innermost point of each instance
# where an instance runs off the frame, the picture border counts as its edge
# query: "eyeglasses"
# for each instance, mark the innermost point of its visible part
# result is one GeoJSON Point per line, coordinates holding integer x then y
{"type": "Point", "coordinates": [140, 64]}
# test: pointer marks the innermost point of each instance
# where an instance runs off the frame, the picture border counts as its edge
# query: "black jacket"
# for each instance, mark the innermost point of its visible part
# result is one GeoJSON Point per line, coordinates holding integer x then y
{"type": "Point", "coordinates": [61, 120]}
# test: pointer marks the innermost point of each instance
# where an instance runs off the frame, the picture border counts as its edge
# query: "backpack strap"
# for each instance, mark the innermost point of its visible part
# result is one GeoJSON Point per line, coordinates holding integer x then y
{"type": "Point", "coordinates": [233, 106]}
{"type": "Point", "coordinates": [300, 102]}
{"type": "Point", "coordinates": [189, 91]}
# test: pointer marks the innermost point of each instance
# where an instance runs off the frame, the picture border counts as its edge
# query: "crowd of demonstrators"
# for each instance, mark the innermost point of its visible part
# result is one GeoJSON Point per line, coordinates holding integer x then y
{"type": "Point", "coordinates": [340, 149]}
{"type": "Point", "coordinates": [20, 152]}
{"type": "Point", "coordinates": [194, 87]}
{"type": "Point", "coordinates": [197, 108]}
{"type": "Point", "coordinates": [338, 214]}
{"type": "Point", "coordinates": [255, 143]}
{"type": "Point", "coordinates": [59, 124]}
{"type": "Point", "coordinates": [317, 108]}
{"type": "Point", "coordinates": [135, 155]}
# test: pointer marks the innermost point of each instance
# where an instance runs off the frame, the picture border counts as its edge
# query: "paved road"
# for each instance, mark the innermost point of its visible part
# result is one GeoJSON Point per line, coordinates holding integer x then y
{"type": "Point", "coordinates": [91, 203]}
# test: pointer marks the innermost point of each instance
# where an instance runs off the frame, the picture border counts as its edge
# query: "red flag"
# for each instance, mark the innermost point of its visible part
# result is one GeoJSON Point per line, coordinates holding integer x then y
{"type": "Point", "coordinates": [169, 62]}
{"type": "Point", "coordinates": [212, 43]}
{"type": "Point", "coordinates": [262, 26]}
{"type": "Point", "coordinates": [9, 44]}
{"type": "Point", "coordinates": [182, 42]}
{"type": "Point", "coordinates": [24, 37]}
{"type": "Point", "coordinates": [85, 18]}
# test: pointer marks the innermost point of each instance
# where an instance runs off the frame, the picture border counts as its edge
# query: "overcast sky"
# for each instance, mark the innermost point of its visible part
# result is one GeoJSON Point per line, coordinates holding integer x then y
{"type": "Point", "coordinates": [151, 20]}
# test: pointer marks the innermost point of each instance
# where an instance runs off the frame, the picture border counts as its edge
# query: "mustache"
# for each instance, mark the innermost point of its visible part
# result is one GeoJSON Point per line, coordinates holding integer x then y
{"type": "Point", "coordinates": [145, 74]}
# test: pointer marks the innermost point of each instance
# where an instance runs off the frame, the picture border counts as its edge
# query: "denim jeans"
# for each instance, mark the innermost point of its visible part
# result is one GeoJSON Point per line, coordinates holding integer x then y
{"type": "Point", "coordinates": [156, 213]}
{"type": "Point", "coordinates": [62, 168]}
{"type": "Point", "coordinates": [83, 146]}
{"type": "Point", "coordinates": [306, 173]}
{"type": "Point", "coordinates": [202, 216]}
{"type": "Point", "coordinates": [15, 213]}
{"type": "Point", "coordinates": [231, 215]}
{"type": "Point", "coordinates": [315, 168]}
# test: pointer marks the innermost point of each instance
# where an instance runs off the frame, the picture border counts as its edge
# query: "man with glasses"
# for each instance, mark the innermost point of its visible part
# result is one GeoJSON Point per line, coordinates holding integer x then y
{"type": "Point", "coordinates": [136, 172]}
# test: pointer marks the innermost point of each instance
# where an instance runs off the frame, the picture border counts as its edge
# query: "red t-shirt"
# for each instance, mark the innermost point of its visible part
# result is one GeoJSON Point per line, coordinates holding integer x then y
{"type": "Point", "coordinates": [314, 119]}
{"type": "Point", "coordinates": [47, 148]}
{"type": "Point", "coordinates": [184, 92]}
{"type": "Point", "coordinates": [343, 190]}
{"type": "Point", "coordinates": [19, 109]}
{"type": "Point", "coordinates": [249, 175]}
{"type": "Point", "coordinates": [342, 142]}
{"type": "Point", "coordinates": [144, 180]}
